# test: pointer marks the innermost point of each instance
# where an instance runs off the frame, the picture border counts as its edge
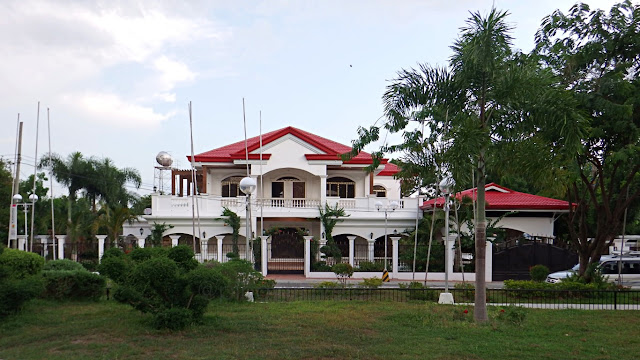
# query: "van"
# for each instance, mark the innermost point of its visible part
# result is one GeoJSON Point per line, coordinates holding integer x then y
{"type": "Point", "coordinates": [608, 265]}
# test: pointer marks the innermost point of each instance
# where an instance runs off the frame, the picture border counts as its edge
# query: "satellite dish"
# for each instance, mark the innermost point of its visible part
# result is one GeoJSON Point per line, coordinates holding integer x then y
{"type": "Point", "coordinates": [164, 159]}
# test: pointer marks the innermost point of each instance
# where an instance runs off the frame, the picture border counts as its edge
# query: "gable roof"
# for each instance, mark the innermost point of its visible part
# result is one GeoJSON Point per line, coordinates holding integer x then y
{"type": "Point", "coordinates": [501, 198]}
{"type": "Point", "coordinates": [236, 151]}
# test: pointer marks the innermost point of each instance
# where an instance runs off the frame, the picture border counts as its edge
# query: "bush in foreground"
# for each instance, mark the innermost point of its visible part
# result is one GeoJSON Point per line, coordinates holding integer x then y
{"type": "Point", "coordinates": [19, 279]}
{"type": "Point", "coordinates": [73, 285]}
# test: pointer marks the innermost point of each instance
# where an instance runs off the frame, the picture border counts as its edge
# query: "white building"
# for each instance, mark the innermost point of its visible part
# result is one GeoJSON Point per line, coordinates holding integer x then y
{"type": "Point", "coordinates": [297, 173]}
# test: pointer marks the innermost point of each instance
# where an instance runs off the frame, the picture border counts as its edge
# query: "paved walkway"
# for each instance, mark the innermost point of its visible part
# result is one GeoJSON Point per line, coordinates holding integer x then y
{"type": "Point", "coordinates": [295, 280]}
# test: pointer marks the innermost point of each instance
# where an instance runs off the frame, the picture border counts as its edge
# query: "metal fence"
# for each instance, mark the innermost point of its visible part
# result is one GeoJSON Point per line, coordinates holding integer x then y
{"type": "Point", "coordinates": [543, 299]}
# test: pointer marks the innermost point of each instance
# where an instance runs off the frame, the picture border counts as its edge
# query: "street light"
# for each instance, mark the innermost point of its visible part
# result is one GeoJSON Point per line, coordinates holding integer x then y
{"type": "Point", "coordinates": [446, 186]}
{"type": "Point", "coordinates": [392, 206]}
{"type": "Point", "coordinates": [33, 198]}
{"type": "Point", "coordinates": [248, 185]}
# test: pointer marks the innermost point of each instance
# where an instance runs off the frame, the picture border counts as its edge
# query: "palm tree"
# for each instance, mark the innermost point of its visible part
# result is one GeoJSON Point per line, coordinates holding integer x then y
{"type": "Point", "coordinates": [111, 220]}
{"type": "Point", "coordinates": [74, 173]}
{"type": "Point", "coordinates": [488, 104]}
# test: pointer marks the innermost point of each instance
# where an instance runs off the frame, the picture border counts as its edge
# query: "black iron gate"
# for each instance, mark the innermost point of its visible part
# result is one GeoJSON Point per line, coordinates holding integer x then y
{"type": "Point", "coordinates": [514, 262]}
{"type": "Point", "coordinates": [286, 252]}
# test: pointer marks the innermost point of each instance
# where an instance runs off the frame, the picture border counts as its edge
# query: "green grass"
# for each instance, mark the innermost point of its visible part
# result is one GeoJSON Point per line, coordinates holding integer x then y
{"type": "Point", "coordinates": [318, 330]}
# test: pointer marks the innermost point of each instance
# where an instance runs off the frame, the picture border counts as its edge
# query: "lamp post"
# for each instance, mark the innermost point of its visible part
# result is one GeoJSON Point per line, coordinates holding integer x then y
{"type": "Point", "coordinates": [390, 207]}
{"type": "Point", "coordinates": [446, 185]}
{"type": "Point", "coordinates": [248, 185]}
{"type": "Point", "coordinates": [33, 198]}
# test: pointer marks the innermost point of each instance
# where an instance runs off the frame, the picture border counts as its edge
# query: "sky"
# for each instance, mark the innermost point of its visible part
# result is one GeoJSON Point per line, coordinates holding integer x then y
{"type": "Point", "coordinates": [117, 76]}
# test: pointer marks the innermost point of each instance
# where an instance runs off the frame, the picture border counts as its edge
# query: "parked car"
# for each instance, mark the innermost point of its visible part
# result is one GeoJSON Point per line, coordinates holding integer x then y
{"type": "Point", "coordinates": [608, 266]}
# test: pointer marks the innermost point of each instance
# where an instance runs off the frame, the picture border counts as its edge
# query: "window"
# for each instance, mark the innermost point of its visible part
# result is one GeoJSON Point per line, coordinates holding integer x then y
{"type": "Point", "coordinates": [380, 191]}
{"type": "Point", "coordinates": [230, 186]}
{"type": "Point", "coordinates": [341, 187]}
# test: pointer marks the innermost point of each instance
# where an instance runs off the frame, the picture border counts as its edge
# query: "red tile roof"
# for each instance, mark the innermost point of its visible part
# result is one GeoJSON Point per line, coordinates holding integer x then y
{"type": "Point", "coordinates": [501, 198]}
{"type": "Point", "coordinates": [332, 150]}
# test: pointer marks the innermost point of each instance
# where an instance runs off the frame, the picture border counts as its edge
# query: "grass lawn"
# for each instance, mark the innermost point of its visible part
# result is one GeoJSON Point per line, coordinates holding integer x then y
{"type": "Point", "coordinates": [318, 330]}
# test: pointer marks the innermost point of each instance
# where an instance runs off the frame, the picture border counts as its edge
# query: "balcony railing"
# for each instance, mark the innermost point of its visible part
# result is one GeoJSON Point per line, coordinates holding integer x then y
{"type": "Point", "coordinates": [168, 205]}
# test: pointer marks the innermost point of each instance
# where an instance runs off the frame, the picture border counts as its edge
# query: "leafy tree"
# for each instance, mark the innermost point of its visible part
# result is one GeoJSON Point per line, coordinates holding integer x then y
{"type": "Point", "coordinates": [73, 173]}
{"type": "Point", "coordinates": [109, 183]}
{"type": "Point", "coordinates": [157, 232]}
{"type": "Point", "coordinates": [6, 184]}
{"type": "Point", "coordinates": [330, 217]}
{"type": "Point", "coordinates": [111, 221]}
{"type": "Point", "coordinates": [490, 103]}
{"type": "Point", "coordinates": [232, 219]}
{"type": "Point", "coordinates": [597, 57]}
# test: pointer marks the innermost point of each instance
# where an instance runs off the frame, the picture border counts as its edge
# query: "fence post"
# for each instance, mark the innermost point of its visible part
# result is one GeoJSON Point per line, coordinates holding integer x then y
{"type": "Point", "coordinates": [615, 299]}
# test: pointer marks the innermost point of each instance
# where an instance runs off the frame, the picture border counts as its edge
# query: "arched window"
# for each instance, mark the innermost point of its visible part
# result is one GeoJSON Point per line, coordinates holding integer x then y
{"type": "Point", "coordinates": [341, 186]}
{"type": "Point", "coordinates": [380, 191]}
{"type": "Point", "coordinates": [230, 186]}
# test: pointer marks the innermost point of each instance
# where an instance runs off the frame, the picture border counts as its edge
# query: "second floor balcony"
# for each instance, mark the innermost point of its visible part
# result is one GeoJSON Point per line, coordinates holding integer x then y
{"type": "Point", "coordinates": [212, 206]}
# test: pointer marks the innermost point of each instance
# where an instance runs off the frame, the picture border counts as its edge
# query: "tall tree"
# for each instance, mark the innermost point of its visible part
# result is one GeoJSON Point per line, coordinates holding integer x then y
{"type": "Point", "coordinates": [490, 103]}
{"type": "Point", "coordinates": [111, 220]}
{"type": "Point", "coordinates": [72, 172]}
{"type": "Point", "coordinates": [597, 56]}
{"type": "Point", "coordinates": [6, 183]}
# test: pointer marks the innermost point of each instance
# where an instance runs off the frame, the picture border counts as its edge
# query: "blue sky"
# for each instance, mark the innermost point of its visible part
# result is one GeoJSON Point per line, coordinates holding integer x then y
{"type": "Point", "coordinates": [117, 75]}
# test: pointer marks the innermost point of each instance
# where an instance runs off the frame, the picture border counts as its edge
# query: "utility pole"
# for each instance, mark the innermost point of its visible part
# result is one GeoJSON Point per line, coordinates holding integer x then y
{"type": "Point", "coordinates": [13, 218]}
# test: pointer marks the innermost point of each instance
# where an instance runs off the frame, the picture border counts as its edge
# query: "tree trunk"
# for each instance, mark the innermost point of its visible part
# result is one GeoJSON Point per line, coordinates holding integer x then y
{"type": "Point", "coordinates": [480, 312]}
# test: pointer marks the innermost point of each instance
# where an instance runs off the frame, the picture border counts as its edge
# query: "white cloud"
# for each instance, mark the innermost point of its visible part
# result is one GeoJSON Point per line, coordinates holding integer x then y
{"type": "Point", "coordinates": [98, 48]}
{"type": "Point", "coordinates": [172, 72]}
{"type": "Point", "coordinates": [110, 109]}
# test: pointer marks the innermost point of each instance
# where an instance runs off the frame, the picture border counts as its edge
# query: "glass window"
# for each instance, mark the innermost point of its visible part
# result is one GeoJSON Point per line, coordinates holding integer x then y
{"type": "Point", "coordinates": [230, 186]}
{"type": "Point", "coordinates": [380, 191]}
{"type": "Point", "coordinates": [277, 189]}
{"type": "Point", "coordinates": [342, 187]}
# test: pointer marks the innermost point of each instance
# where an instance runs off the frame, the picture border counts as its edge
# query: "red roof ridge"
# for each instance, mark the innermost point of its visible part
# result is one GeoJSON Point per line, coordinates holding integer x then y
{"type": "Point", "coordinates": [331, 149]}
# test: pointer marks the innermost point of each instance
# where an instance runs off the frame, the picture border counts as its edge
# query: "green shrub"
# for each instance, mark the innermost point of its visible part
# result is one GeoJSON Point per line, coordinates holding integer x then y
{"type": "Point", "coordinates": [320, 266]}
{"type": "Point", "coordinates": [112, 252]}
{"type": "Point", "coordinates": [328, 285]}
{"type": "Point", "coordinates": [464, 292]}
{"type": "Point", "coordinates": [207, 282]}
{"type": "Point", "coordinates": [19, 264]}
{"type": "Point", "coordinates": [114, 267]}
{"type": "Point", "coordinates": [371, 283]}
{"type": "Point", "coordinates": [73, 285]}
{"type": "Point", "coordinates": [242, 277]}
{"type": "Point", "coordinates": [539, 273]}
{"type": "Point", "coordinates": [233, 256]}
{"type": "Point", "coordinates": [343, 271]}
{"type": "Point", "coordinates": [183, 256]}
{"type": "Point", "coordinates": [173, 319]}
{"type": "Point", "coordinates": [89, 265]}
{"type": "Point", "coordinates": [175, 295]}
{"type": "Point", "coordinates": [369, 266]}
{"type": "Point", "coordinates": [15, 292]}
{"type": "Point", "coordinates": [62, 264]}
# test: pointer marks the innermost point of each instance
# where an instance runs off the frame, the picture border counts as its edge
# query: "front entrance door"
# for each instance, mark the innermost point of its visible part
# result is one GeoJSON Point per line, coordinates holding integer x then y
{"type": "Point", "coordinates": [286, 252]}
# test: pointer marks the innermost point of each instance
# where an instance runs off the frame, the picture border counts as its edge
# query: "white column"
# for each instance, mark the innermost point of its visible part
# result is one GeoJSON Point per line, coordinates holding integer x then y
{"type": "Point", "coordinates": [394, 252]}
{"type": "Point", "coordinates": [449, 253]}
{"type": "Point", "coordinates": [174, 240]}
{"type": "Point", "coordinates": [488, 269]}
{"type": "Point", "coordinates": [323, 193]}
{"type": "Point", "coordinates": [141, 242]}
{"type": "Point", "coordinates": [22, 243]}
{"type": "Point", "coordinates": [263, 255]}
{"type": "Point", "coordinates": [307, 255]}
{"type": "Point", "coordinates": [61, 241]}
{"type": "Point", "coordinates": [370, 245]}
{"type": "Point", "coordinates": [352, 240]}
{"type": "Point", "coordinates": [220, 254]}
{"type": "Point", "coordinates": [100, 246]}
